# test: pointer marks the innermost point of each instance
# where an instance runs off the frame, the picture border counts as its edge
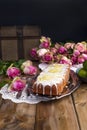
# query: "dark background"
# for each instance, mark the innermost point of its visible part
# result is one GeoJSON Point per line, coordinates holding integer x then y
{"type": "Point", "coordinates": [62, 20]}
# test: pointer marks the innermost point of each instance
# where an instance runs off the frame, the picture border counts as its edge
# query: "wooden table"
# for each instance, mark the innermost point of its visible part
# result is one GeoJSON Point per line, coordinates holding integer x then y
{"type": "Point", "coordinates": [68, 113]}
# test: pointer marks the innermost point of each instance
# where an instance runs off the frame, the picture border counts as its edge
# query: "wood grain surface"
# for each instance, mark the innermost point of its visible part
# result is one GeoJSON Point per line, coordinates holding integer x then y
{"type": "Point", "coordinates": [16, 116]}
{"type": "Point", "coordinates": [56, 115]}
{"type": "Point", "coordinates": [80, 99]}
{"type": "Point", "coordinates": [68, 113]}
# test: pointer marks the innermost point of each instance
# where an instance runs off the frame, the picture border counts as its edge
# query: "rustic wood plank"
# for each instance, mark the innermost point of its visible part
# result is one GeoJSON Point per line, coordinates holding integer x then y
{"type": "Point", "coordinates": [20, 42]}
{"type": "Point", "coordinates": [16, 116]}
{"type": "Point", "coordinates": [31, 31]}
{"type": "Point", "coordinates": [9, 49]}
{"type": "Point", "coordinates": [0, 50]}
{"type": "Point", "coordinates": [0, 46]}
{"type": "Point", "coordinates": [28, 45]}
{"type": "Point", "coordinates": [56, 115]}
{"type": "Point", "coordinates": [80, 99]}
{"type": "Point", "coordinates": [8, 31]}
{"type": "Point", "coordinates": [14, 41]}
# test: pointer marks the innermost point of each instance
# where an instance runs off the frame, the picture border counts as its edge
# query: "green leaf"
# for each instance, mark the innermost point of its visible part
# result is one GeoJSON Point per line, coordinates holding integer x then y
{"type": "Point", "coordinates": [21, 61]}
{"type": "Point", "coordinates": [1, 72]}
{"type": "Point", "coordinates": [5, 64]}
{"type": "Point", "coordinates": [2, 83]}
{"type": "Point", "coordinates": [4, 80]}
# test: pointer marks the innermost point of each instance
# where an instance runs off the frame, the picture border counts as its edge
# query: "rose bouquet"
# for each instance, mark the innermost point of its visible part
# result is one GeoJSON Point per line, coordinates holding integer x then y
{"type": "Point", "coordinates": [9, 70]}
{"type": "Point", "coordinates": [67, 53]}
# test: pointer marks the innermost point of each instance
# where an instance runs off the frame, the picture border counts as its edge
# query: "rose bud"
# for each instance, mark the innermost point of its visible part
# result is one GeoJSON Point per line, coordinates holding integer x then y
{"type": "Point", "coordinates": [48, 57]}
{"type": "Point", "coordinates": [57, 45]}
{"type": "Point", "coordinates": [69, 45]}
{"type": "Point", "coordinates": [74, 59]}
{"type": "Point", "coordinates": [17, 84]}
{"type": "Point", "coordinates": [53, 50]}
{"type": "Point", "coordinates": [85, 52]}
{"type": "Point", "coordinates": [26, 63]}
{"type": "Point", "coordinates": [62, 50]}
{"type": "Point", "coordinates": [45, 42]}
{"type": "Point", "coordinates": [44, 45]}
{"type": "Point", "coordinates": [30, 70]}
{"type": "Point", "coordinates": [13, 72]}
{"type": "Point", "coordinates": [33, 53]}
{"type": "Point", "coordinates": [65, 60]}
{"type": "Point", "coordinates": [42, 51]}
{"type": "Point", "coordinates": [80, 46]}
{"type": "Point", "coordinates": [81, 59]}
{"type": "Point", "coordinates": [76, 53]}
{"type": "Point", "coordinates": [84, 56]}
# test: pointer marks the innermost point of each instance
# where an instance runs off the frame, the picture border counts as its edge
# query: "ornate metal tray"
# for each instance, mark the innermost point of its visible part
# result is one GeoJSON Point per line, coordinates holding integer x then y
{"type": "Point", "coordinates": [27, 95]}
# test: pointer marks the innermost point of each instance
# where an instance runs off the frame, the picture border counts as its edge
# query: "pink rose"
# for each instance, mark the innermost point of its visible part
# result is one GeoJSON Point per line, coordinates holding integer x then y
{"type": "Point", "coordinates": [74, 59]}
{"type": "Point", "coordinates": [84, 56]}
{"type": "Point", "coordinates": [53, 50]}
{"type": "Point", "coordinates": [76, 53]}
{"type": "Point", "coordinates": [13, 72]}
{"type": "Point", "coordinates": [57, 45]}
{"type": "Point", "coordinates": [85, 52]}
{"type": "Point", "coordinates": [30, 70]}
{"type": "Point", "coordinates": [33, 53]}
{"type": "Point", "coordinates": [65, 60]}
{"type": "Point", "coordinates": [26, 63]}
{"type": "Point", "coordinates": [42, 51]}
{"type": "Point", "coordinates": [80, 47]}
{"type": "Point", "coordinates": [81, 59]}
{"type": "Point", "coordinates": [45, 42]}
{"type": "Point", "coordinates": [44, 39]}
{"type": "Point", "coordinates": [62, 50]}
{"type": "Point", "coordinates": [17, 84]}
{"type": "Point", "coordinates": [48, 57]}
{"type": "Point", "coordinates": [69, 45]}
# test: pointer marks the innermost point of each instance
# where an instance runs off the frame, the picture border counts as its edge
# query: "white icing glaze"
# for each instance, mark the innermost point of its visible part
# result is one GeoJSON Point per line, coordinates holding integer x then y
{"type": "Point", "coordinates": [52, 75]}
{"type": "Point", "coordinates": [49, 79]}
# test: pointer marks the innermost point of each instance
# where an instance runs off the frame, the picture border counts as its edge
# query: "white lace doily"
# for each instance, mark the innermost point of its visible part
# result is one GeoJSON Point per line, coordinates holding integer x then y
{"type": "Point", "coordinates": [31, 99]}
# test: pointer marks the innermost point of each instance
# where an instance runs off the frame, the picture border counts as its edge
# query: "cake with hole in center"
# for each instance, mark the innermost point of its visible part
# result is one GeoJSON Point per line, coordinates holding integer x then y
{"type": "Point", "coordinates": [52, 80]}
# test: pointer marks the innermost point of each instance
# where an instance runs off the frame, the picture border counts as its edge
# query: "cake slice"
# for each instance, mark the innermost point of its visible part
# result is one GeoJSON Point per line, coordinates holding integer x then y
{"type": "Point", "coordinates": [52, 80]}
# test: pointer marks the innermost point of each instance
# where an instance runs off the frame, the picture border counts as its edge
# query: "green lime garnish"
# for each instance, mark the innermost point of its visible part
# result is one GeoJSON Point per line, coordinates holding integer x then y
{"type": "Point", "coordinates": [85, 65]}
{"type": "Point", "coordinates": [82, 73]}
